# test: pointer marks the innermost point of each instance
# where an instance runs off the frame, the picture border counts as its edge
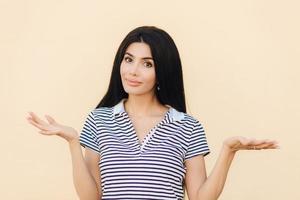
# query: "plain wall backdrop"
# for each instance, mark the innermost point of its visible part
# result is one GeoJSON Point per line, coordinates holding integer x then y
{"type": "Point", "coordinates": [241, 73]}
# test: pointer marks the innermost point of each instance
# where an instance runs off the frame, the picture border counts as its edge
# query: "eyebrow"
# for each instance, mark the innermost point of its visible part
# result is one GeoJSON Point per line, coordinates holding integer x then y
{"type": "Point", "coordinates": [142, 58]}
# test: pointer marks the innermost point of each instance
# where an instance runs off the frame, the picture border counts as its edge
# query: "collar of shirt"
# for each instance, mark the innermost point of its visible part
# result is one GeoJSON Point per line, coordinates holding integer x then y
{"type": "Point", "coordinates": [174, 114]}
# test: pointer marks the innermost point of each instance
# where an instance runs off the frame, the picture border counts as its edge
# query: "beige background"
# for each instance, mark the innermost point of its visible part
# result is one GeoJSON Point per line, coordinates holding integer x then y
{"type": "Point", "coordinates": [241, 67]}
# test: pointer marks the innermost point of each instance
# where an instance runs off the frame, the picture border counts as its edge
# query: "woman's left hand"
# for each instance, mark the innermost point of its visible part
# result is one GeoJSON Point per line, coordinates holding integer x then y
{"type": "Point", "coordinates": [240, 143]}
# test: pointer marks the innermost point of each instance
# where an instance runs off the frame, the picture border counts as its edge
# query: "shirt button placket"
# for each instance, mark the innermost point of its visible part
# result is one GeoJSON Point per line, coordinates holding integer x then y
{"type": "Point", "coordinates": [146, 140]}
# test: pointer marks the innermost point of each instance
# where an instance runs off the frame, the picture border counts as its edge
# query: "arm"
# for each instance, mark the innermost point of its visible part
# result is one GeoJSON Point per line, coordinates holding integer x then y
{"type": "Point", "coordinates": [85, 172]}
{"type": "Point", "coordinates": [200, 187]}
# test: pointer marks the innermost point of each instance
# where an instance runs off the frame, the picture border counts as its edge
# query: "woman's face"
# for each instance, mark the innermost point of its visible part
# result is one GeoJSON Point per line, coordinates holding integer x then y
{"type": "Point", "coordinates": [137, 69]}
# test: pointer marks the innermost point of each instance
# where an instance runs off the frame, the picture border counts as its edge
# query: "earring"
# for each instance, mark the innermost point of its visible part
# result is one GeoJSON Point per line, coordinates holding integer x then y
{"type": "Point", "coordinates": [158, 88]}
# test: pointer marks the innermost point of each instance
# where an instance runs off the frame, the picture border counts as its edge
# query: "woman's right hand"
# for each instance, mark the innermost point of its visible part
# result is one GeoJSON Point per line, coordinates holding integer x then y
{"type": "Point", "coordinates": [52, 127]}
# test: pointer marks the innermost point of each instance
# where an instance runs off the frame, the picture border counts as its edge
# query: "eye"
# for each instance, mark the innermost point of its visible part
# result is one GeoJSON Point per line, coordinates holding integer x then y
{"type": "Point", "coordinates": [148, 64]}
{"type": "Point", "coordinates": [127, 59]}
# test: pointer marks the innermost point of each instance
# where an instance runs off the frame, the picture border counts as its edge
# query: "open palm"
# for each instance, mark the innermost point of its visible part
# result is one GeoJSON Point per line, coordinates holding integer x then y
{"type": "Point", "coordinates": [241, 143]}
{"type": "Point", "coordinates": [52, 127]}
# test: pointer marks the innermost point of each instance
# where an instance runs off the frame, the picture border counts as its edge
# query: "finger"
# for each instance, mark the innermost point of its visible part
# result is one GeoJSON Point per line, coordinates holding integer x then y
{"type": "Point", "coordinates": [50, 119]}
{"type": "Point", "coordinates": [260, 143]}
{"type": "Point", "coordinates": [36, 124]}
{"type": "Point", "coordinates": [251, 143]}
{"type": "Point", "coordinates": [37, 119]}
{"type": "Point", "coordinates": [270, 147]}
{"type": "Point", "coordinates": [263, 146]}
{"type": "Point", "coordinates": [274, 146]}
{"type": "Point", "coordinates": [267, 142]}
{"type": "Point", "coordinates": [243, 148]}
{"type": "Point", "coordinates": [267, 145]}
{"type": "Point", "coordinates": [29, 118]}
{"type": "Point", "coordinates": [45, 132]}
{"type": "Point", "coordinates": [271, 143]}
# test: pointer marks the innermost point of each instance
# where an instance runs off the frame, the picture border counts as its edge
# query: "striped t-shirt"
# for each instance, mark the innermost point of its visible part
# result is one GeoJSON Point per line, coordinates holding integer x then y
{"type": "Point", "coordinates": [153, 169]}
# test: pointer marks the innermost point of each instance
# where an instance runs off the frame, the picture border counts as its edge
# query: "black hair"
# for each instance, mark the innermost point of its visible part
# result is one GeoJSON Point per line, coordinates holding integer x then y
{"type": "Point", "coordinates": [168, 70]}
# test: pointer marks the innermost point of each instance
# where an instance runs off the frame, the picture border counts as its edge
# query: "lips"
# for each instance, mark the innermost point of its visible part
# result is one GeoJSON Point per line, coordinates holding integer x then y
{"type": "Point", "coordinates": [133, 82]}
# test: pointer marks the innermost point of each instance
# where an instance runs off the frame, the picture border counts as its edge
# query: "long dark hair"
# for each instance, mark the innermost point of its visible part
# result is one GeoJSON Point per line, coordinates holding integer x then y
{"type": "Point", "coordinates": [168, 70]}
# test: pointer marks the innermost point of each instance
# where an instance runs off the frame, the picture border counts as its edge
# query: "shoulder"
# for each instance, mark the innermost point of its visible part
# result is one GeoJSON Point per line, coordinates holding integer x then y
{"type": "Point", "coordinates": [191, 119]}
{"type": "Point", "coordinates": [102, 110]}
{"type": "Point", "coordinates": [191, 123]}
{"type": "Point", "coordinates": [101, 113]}
{"type": "Point", "coordinates": [184, 120]}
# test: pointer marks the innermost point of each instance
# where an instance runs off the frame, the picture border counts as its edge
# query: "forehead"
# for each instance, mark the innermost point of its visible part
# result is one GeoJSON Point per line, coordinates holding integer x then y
{"type": "Point", "coordinates": [139, 49]}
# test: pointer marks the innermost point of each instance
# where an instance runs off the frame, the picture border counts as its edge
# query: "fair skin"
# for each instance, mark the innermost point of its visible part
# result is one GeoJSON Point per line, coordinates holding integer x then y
{"type": "Point", "coordinates": [142, 106]}
{"type": "Point", "coordinates": [145, 112]}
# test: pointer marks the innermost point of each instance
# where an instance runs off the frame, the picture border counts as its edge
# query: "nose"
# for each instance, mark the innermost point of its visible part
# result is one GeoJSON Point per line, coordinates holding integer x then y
{"type": "Point", "coordinates": [134, 68]}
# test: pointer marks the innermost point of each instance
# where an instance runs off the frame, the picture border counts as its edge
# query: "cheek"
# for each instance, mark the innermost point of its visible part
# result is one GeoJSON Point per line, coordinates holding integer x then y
{"type": "Point", "coordinates": [122, 70]}
{"type": "Point", "coordinates": [149, 76]}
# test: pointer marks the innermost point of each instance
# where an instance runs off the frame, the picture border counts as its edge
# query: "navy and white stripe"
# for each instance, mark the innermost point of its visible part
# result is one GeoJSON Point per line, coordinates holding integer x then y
{"type": "Point", "coordinates": [153, 169]}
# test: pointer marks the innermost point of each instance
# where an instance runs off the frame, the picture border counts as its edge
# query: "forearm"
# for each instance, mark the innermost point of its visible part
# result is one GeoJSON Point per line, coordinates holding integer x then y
{"type": "Point", "coordinates": [213, 186]}
{"type": "Point", "coordinates": [84, 183]}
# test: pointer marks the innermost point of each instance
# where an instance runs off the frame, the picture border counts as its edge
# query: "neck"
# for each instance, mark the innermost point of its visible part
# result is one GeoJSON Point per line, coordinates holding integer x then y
{"type": "Point", "coordinates": [143, 106]}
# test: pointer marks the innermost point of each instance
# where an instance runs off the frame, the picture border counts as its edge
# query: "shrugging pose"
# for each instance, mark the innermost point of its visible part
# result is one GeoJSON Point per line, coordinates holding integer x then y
{"type": "Point", "coordinates": [139, 141]}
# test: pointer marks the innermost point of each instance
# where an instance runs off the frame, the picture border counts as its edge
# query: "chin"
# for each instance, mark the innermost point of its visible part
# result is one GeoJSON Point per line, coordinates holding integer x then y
{"type": "Point", "coordinates": [135, 91]}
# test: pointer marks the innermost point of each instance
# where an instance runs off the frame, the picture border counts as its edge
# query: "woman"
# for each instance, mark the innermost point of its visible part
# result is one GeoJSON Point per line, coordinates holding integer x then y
{"type": "Point", "coordinates": [139, 141]}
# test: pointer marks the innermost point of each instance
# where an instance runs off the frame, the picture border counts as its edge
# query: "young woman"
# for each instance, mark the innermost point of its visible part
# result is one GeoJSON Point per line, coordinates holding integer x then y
{"type": "Point", "coordinates": [139, 141]}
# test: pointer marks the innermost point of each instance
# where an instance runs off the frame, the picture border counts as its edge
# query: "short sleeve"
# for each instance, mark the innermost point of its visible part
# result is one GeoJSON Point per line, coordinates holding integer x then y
{"type": "Point", "coordinates": [88, 135]}
{"type": "Point", "coordinates": [198, 143]}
